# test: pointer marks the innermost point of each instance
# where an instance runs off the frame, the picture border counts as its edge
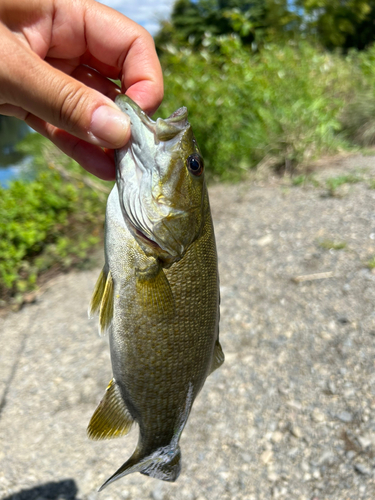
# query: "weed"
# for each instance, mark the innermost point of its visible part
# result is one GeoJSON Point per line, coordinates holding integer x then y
{"type": "Point", "coordinates": [305, 180]}
{"type": "Point", "coordinates": [333, 183]}
{"type": "Point", "coordinates": [332, 245]}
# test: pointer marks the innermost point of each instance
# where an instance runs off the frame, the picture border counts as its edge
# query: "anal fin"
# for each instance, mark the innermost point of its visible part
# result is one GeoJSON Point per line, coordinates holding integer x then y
{"type": "Point", "coordinates": [218, 357]}
{"type": "Point", "coordinates": [111, 418]}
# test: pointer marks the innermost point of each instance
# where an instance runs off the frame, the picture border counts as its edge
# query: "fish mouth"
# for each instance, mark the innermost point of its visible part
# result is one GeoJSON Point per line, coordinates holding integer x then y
{"type": "Point", "coordinates": [163, 130]}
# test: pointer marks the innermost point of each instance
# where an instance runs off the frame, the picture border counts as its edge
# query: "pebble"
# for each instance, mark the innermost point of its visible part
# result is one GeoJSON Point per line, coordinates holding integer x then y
{"type": "Point", "coordinates": [362, 469]}
{"type": "Point", "coordinates": [331, 387]}
{"type": "Point", "coordinates": [317, 415]}
{"type": "Point", "coordinates": [266, 456]}
{"type": "Point", "coordinates": [296, 431]}
{"type": "Point", "coordinates": [351, 454]}
{"type": "Point", "coordinates": [277, 437]}
{"type": "Point", "coordinates": [345, 416]}
{"type": "Point", "coordinates": [272, 476]}
{"type": "Point", "coordinates": [327, 458]}
{"type": "Point", "coordinates": [364, 441]}
{"type": "Point", "coordinates": [265, 240]}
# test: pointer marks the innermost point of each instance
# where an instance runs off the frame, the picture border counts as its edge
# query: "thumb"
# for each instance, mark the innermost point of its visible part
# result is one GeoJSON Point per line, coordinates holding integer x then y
{"type": "Point", "coordinates": [30, 83]}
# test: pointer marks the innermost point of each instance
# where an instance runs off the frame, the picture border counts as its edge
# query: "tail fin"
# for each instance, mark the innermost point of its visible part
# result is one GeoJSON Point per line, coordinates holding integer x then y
{"type": "Point", "coordinates": [164, 463]}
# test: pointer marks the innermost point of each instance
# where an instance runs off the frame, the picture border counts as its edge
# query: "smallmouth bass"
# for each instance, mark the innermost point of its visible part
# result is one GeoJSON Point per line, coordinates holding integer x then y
{"type": "Point", "coordinates": [158, 293]}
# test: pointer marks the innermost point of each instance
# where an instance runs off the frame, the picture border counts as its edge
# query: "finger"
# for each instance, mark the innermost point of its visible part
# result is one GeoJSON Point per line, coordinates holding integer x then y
{"type": "Point", "coordinates": [10, 110]}
{"type": "Point", "coordinates": [103, 68]}
{"type": "Point", "coordinates": [94, 80]}
{"type": "Point", "coordinates": [118, 42]}
{"type": "Point", "coordinates": [28, 82]}
{"type": "Point", "coordinates": [92, 158]}
{"type": "Point", "coordinates": [87, 76]}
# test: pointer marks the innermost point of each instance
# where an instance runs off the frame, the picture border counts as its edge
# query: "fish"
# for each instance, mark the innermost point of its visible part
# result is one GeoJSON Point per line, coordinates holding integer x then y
{"type": "Point", "coordinates": [158, 293]}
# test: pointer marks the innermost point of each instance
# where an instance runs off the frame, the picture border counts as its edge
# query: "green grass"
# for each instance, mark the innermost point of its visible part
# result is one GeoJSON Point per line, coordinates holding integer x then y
{"type": "Point", "coordinates": [332, 245]}
{"type": "Point", "coordinates": [305, 180]}
{"type": "Point", "coordinates": [333, 183]}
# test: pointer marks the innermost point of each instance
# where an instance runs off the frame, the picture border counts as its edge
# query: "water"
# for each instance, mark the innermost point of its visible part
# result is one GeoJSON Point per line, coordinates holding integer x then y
{"type": "Point", "coordinates": [12, 163]}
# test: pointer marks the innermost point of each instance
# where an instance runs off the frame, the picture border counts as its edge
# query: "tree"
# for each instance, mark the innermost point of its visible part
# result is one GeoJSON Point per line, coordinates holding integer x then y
{"type": "Point", "coordinates": [340, 23]}
{"type": "Point", "coordinates": [252, 20]}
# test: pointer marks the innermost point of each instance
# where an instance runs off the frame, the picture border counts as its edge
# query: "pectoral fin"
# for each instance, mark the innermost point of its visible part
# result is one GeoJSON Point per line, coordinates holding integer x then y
{"type": "Point", "coordinates": [218, 357]}
{"type": "Point", "coordinates": [102, 300]}
{"type": "Point", "coordinates": [97, 295]}
{"type": "Point", "coordinates": [111, 419]}
{"type": "Point", "coordinates": [154, 290]}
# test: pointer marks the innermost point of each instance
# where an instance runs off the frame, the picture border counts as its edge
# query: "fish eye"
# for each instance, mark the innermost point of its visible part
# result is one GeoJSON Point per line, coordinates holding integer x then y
{"type": "Point", "coordinates": [194, 164]}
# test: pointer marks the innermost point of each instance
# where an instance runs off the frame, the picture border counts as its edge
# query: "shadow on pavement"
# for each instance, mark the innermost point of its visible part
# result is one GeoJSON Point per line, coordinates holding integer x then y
{"type": "Point", "coordinates": [62, 490]}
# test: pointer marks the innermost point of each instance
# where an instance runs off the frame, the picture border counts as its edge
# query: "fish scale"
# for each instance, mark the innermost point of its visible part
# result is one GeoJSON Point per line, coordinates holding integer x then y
{"type": "Point", "coordinates": [158, 294]}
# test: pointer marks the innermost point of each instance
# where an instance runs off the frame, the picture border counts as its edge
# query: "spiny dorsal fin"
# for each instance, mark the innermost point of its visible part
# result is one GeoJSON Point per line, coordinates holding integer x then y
{"type": "Point", "coordinates": [111, 419]}
{"type": "Point", "coordinates": [156, 292]}
{"type": "Point", "coordinates": [106, 306]}
{"type": "Point", "coordinates": [218, 357]}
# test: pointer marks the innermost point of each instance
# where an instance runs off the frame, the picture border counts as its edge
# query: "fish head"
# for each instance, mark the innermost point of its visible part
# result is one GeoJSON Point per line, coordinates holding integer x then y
{"type": "Point", "coordinates": [160, 179]}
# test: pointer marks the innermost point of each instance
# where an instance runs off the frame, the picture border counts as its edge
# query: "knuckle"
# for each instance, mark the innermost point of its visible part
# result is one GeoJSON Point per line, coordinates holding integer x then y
{"type": "Point", "coordinates": [74, 102]}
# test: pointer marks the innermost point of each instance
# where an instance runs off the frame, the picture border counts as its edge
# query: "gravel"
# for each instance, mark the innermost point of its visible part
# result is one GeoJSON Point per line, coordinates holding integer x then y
{"type": "Point", "coordinates": [291, 413]}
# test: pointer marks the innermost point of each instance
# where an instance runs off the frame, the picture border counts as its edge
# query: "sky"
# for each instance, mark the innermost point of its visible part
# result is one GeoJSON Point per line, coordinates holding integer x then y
{"type": "Point", "coordinates": [144, 12]}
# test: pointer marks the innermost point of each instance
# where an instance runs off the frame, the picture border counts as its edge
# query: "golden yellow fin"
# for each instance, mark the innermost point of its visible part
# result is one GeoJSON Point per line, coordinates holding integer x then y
{"type": "Point", "coordinates": [111, 419]}
{"type": "Point", "coordinates": [97, 295]}
{"type": "Point", "coordinates": [218, 357]}
{"type": "Point", "coordinates": [106, 306]}
{"type": "Point", "coordinates": [156, 292]}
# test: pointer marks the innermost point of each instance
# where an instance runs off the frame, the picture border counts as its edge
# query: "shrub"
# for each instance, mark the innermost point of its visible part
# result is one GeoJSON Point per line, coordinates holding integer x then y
{"type": "Point", "coordinates": [282, 104]}
{"type": "Point", "coordinates": [49, 221]}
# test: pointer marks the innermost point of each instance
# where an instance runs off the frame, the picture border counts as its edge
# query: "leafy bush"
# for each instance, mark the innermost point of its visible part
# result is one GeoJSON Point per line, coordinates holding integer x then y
{"type": "Point", "coordinates": [49, 221]}
{"type": "Point", "coordinates": [281, 105]}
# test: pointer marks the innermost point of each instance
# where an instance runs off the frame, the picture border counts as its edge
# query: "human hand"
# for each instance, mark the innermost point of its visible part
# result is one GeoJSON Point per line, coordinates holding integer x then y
{"type": "Point", "coordinates": [56, 58]}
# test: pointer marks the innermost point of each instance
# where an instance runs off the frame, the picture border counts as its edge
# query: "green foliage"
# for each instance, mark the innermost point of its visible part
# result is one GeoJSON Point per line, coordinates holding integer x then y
{"type": "Point", "coordinates": [45, 222]}
{"type": "Point", "coordinates": [371, 263]}
{"type": "Point", "coordinates": [280, 106]}
{"type": "Point", "coordinates": [358, 119]}
{"type": "Point", "coordinates": [305, 180]}
{"type": "Point", "coordinates": [333, 24]}
{"type": "Point", "coordinates": [332, 245]}
{"type": "Point", "coordinates": [333, 183]}
{"type": "Point", "coordinates": [254, 21]}
{"type": "Point", "coordinates": [340, 23]}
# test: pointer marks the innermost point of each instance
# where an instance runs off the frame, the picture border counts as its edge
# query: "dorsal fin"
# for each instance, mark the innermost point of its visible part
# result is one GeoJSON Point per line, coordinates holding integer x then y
{"type": "Point", "coordinates": [111, 418]}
